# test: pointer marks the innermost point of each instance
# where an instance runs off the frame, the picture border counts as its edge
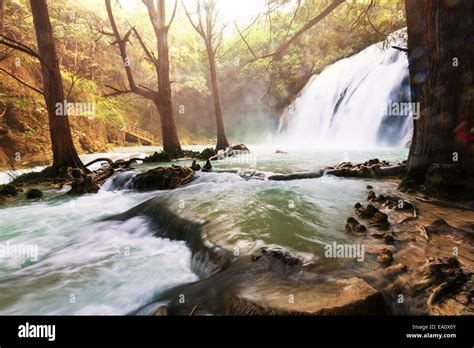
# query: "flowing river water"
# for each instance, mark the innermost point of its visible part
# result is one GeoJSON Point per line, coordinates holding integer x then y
{"type": "Point", "coordinates": [89, 266]}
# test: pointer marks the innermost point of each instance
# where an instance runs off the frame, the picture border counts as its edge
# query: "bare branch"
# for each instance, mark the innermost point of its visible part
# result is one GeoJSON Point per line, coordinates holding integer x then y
{"type": "Point", "coordinates": [173, 14]}
{"type": "Point", "coordinates": [22, 82]}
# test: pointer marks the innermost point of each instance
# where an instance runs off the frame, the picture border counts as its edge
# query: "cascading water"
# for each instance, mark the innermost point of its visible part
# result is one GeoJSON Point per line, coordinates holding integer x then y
{"type": "Point", "coordinates": [362, 101]}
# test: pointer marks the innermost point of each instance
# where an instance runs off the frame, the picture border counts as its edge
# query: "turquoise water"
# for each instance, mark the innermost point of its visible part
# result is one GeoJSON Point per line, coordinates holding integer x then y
{"type": "Point", "coordinates": [85, 266]}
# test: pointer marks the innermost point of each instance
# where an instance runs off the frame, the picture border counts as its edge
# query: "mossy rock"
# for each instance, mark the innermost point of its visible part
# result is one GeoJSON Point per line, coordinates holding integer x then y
{"type": "Point", "coordinates": [34, 194]}
{"type": "Point", "coordinates": [207, 153]}
{"type": "Point", "coordinates": [8, 190]}
{"type": "Point", "coordinates": [163, 178]}
{"type": "Point", "coordinates": [161, 156]}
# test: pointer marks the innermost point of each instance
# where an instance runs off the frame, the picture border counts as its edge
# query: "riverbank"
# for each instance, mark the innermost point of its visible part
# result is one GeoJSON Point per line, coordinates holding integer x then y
{"type": "Point", "coordinates": [235, 244]}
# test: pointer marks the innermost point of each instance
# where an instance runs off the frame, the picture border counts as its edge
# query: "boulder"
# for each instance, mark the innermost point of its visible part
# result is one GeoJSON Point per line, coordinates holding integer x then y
{"type": "Point", "coordinates": [34, 194]}
{"type": "Point", "coordinates": [163, 178]}
{"type": "Point", "coordinates": [295, 176]}
{"type": "Point", "coordinates": [8, 190]}
{"type": "Point", "coordinates": [353, 226]}
{"type": "Point", "coordinates": [195, 166]}
{"type": "Point", "coordinates": [84, 185]}
{"type": "Point", "coordinates": [366, 213]}
{"type": "Point", "coordinates": [351, 296]}
{"type": "Point", "coordinates": [207, 167]}
{"type": "Point", "coordinates": [385, 257]}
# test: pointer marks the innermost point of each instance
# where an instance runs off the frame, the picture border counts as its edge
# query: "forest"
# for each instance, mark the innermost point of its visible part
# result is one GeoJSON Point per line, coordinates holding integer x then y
{"type": "Point", "coordinates": [262, 151]}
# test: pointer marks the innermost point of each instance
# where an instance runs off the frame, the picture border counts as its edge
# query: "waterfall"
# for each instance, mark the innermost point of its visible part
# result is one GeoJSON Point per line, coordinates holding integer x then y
{"type": "Point", "coordinates": [362, 101]}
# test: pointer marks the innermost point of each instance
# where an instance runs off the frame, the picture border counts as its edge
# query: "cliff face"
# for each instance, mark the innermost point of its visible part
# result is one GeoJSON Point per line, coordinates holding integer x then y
{"type": "Point", "coordinates": [25, 142]}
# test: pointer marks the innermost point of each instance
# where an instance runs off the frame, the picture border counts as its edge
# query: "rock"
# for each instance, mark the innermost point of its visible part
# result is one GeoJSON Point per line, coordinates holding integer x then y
{"type": "Point", "coordinates": [353, 226]}
{"type": "Point", "coordinates": [351, 296]}
{"type": "Point", "coordinates": [240, 147]}
{"type": "Point", "coordinates": [161, 311]}
{"type": "Point", "coordinates": [371, 196]}
{"type": "Point", "coordinates": [34, 194]}
{"type": "Point", "coordinates": [195, 166]}
{"type": "Point", "coordinates": [84, 185]}
{"type": "Point", "coordinates": [295, 176]}
{"type": "Point", "coordinates": [280, 254]}
{"type": "Point", "coordinates": [280, 151]}
{"type": "Point", "coordinates": [441, 227]}
{"type": "Point", "coordinates": [385, 257]}
{"type": "Point", "coordinates": [366, 213]}
{"type": "Point", "coordinates": [370, 187]}
{"type": "Point", "coordinates": [357, 205]}
{"type": "Point", "coordinates": [368, 169]}
{"type": "Point", "coordinates": [388, 239]}
{"type": "Point", "coordinates": [158, 157]}
{"type": "Point", "coordinates": [163, 178]}
{"type": "Point", "coordinates": [8, 190]}
{"type": "Point", "coordinates": [380, 218]}
{"type": "Point", "coordinates": [207, 153]}
{"type": "Point", "coordinates": [207, 167]}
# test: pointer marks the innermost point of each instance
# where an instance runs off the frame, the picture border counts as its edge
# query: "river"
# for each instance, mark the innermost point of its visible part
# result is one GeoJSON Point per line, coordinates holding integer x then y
{"type": "Point", "coordinates": [89, 266]}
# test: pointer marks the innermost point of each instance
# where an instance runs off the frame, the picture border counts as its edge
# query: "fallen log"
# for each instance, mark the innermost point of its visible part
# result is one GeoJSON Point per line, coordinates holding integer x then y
{"type": "Point", "coordinates": [296, 176]}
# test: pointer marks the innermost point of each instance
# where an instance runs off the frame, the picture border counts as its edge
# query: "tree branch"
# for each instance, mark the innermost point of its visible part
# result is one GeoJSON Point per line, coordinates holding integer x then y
{"type": "Point", "coordinates": [22, 82]}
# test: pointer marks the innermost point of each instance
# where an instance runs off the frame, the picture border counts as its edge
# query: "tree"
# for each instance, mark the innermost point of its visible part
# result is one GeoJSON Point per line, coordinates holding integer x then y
{"type": "Point", "coordinates": [1, 16]}
{"type": "Point", "coordinates": [64, 152]}
{"type": "Point", "coordinates": [161, 97]}
{"type": "Point", "coordinates": [441, 54]}
{"type": "Point", "coordinates": [205, 26]}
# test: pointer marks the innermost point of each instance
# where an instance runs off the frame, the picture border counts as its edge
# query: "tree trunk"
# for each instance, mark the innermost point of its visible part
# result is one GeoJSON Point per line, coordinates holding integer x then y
{"type": "Point", "coordinates": [1, 15]}
{"type": "Point", "coordinates": [222, 142]}
{"type": "Point", "coordinates": [440, 34]}
{"type": "Point", "coordinates": [64, 152]}
{"type": "Point", "coordinates": [171, 142]}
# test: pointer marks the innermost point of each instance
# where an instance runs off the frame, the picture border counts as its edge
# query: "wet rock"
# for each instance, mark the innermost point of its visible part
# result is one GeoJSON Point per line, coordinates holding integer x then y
{"type": "Point", "coordinates": [371, 196]}
{"type": "Point", "coordinates": [366, 213]}
{"type": "Point", "coordinates": [282, 255]}
{"type": "Point", "coordinates": [385, 257]}
{"type": "Point", "coordinates": [163, 178]}
{"type": "Point", "coordinates": [441, 227]}
{"type": "Point", "coordinates": [161, 156]}
{"type": "Point", "coordinates": [84, 185]}
{"type": "Point", "coordinates": [280, 151]}
{"type": "Point", "coordinates": [353, 226]}
{"type": "Point", "coordinates": [195, 166]}
{"type": "Point", "coordinates": [370, 168]}
{"type": "Point", "coordinates": [352, 296]}
{"type": "Point", "coordinates": [207, 153]}
{"type": "Point", "coordinates": [161, 311]}
{"type": "Point", "coordinates": [379, 219]}
{"type": "Point", "coordinates": [240, 147]}
{"type": "Point", "coordinates": [370, 187]}
{"type": "Point", "coordinates": [357, 205]}
{"type": "Point", "coordinates": [387, 238]}
{"type": "Point", "coordinates": [8, 190]}
{"type": "Point", "coordinates": [207, 167]}
{"type": "Point", "coordinates": [34, 194]}
{"type": "Point", "coordinates": [296, 176]}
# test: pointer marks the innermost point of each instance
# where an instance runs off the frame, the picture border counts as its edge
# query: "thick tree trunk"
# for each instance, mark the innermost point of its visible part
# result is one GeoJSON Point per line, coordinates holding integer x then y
{"type": "Point", "coordinates": [441, 56]}
{"type": "Point", "coordinates": [171, 142]}
{"type": "Point", "coordinates": [64, 152]}
{"type": "Point", "coordinates": [222, 142]}
{"type": "Point", "coordinates": [2, 2]}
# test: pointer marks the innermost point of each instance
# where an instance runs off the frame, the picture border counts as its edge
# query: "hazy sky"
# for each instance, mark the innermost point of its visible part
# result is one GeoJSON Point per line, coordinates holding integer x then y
{"type": "Point", "coordinates": [241, 11]}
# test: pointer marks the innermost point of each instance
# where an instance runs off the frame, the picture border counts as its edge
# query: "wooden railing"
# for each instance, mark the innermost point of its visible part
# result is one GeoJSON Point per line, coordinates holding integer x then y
{"type": "Point", "coordinates": [139, 133]}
